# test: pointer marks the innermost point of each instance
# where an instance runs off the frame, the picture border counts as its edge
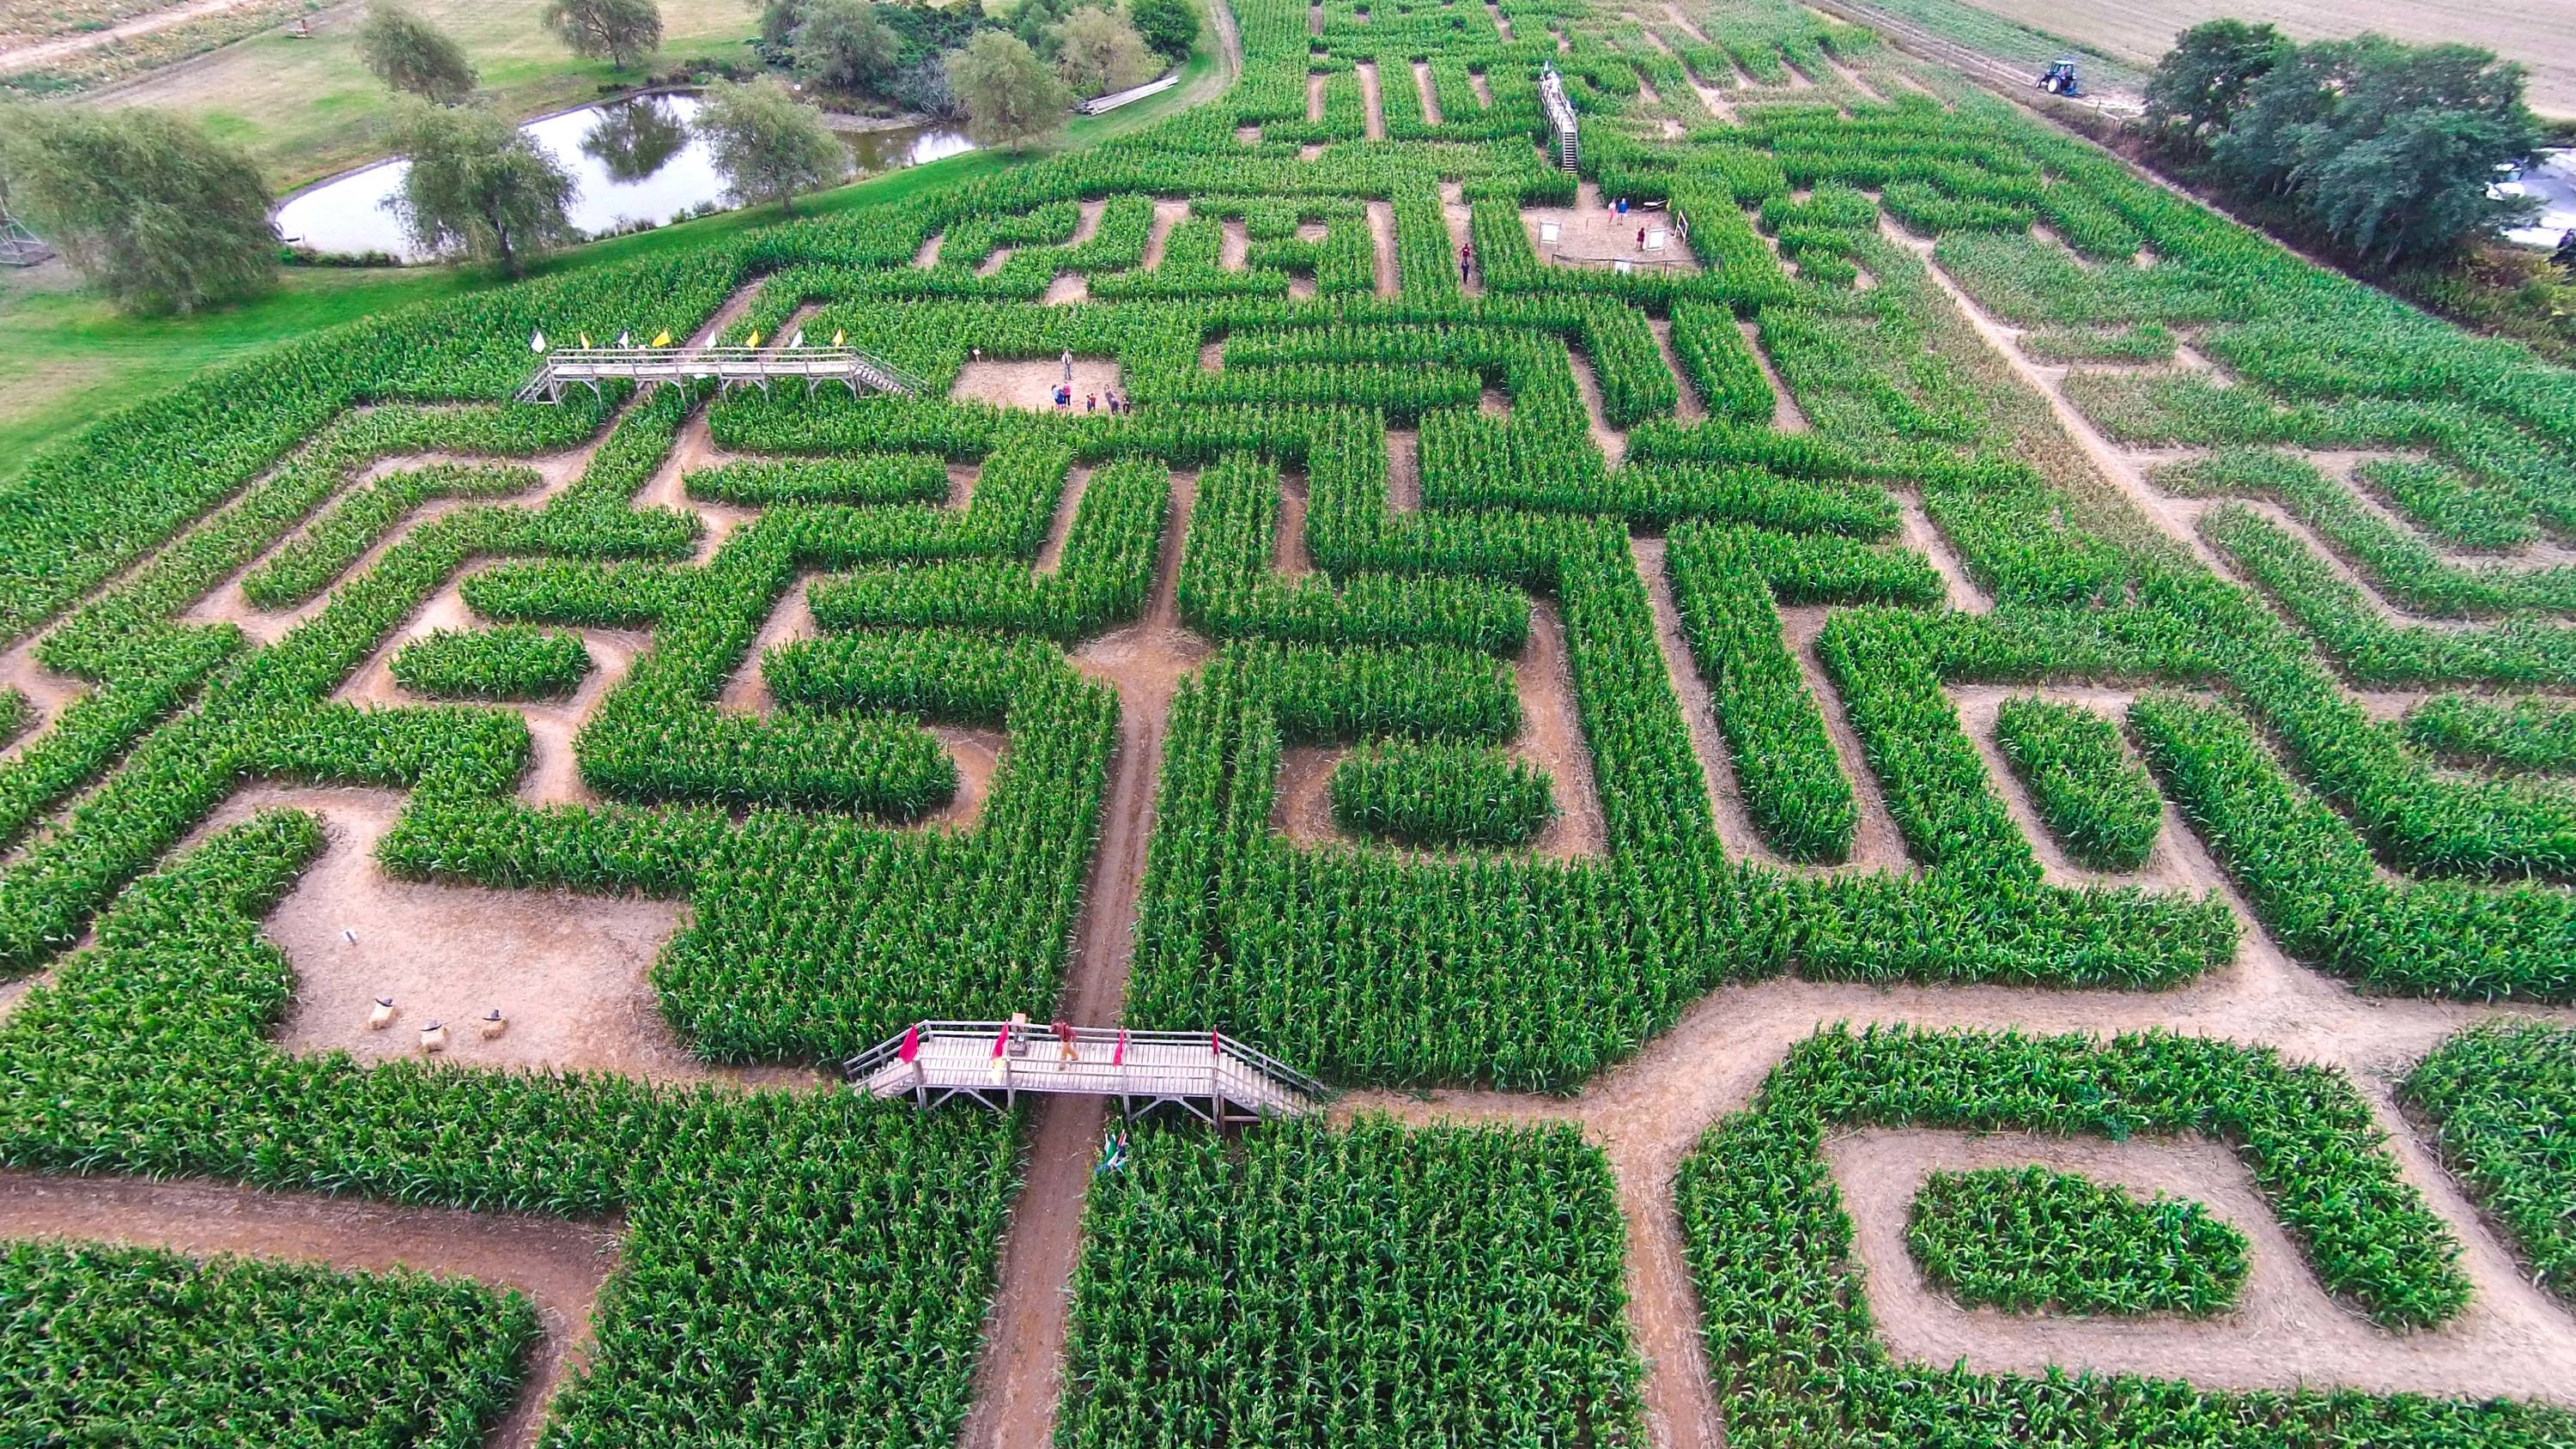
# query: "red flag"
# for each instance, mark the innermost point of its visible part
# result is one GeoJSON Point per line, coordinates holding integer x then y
{"type": "Point", "coordinates": [911, 1043]}
{"type": "Point", "coordinates": [1216, 1045]}
{"type": "Point", "coordinates": [1003, 1040]}
{"type": "Point", "coordinates": [1118, 1058]}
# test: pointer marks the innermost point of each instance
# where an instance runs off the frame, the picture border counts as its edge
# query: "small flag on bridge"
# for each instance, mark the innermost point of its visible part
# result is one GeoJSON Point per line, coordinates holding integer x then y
{"type": "Point", "coordinates": [585, 339]}
{"type": "Point", "coordinates": [836, 338]}
{"type": "Point", "coordinates": [911, 1043]}
{"type": "Point", "coordinates": [753, 340]}
{"type": "Point", "coordinates": [536, 342]}
{"type": "Point", "coordinates": [662, 338]}
{"type": "Point", "coordinates": [796, 341]}
{"type": "Point", "coordinates": [625, 339]}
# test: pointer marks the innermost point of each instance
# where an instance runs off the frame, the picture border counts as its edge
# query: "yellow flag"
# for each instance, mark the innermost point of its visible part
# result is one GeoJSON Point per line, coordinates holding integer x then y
{"type": "Point", "coordinates": [836, 338]}
{"type": "Point", "coordinates": [662, 338]}
{"type": "Point", "coordinates": [585, 339]}
{"type": "Point", "coordinates": [753, 340]}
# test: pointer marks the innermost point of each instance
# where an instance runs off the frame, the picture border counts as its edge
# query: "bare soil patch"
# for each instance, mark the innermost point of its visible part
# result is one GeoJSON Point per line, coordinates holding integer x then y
{"type": "Point", "coordinates": [1030, 384]}
{"type": "Point", "coordinates": [1592, 234]}
{"type": "Point", "coordinates": [1612, 443]}
{"type": "Point", "coordinates": [558, 1263]}
{"type": "Point", "coordinates": [568, 972]}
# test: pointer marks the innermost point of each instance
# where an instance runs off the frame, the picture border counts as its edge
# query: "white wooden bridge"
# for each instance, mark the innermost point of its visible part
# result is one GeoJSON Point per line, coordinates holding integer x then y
{"type": "Point", "coordinates": [727, 367]}
{"type": "Point", "coordinates": [1209, 1075]}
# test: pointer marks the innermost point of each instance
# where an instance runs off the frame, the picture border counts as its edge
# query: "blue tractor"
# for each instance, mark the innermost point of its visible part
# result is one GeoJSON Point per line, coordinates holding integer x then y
{"type": "Point", "coordinates": [2060, 80]}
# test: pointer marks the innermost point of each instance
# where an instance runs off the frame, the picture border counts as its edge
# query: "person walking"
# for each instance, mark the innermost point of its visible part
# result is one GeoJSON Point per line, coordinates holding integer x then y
{"type": "Point", "coordinates": [1068, 365]}
{"type": "Point", "coordinates": [1091, 402]}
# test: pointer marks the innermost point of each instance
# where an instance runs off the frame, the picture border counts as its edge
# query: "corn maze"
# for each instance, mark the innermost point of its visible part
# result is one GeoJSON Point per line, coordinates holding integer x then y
{"type": "Point", "coordinates": [1914, 791]}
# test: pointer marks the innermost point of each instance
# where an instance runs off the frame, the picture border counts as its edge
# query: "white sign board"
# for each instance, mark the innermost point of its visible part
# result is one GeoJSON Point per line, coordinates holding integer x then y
{"type": "Point", "coordinates": [1655, 240]}
{"type": "Point", "coordinates": [1547, 233]}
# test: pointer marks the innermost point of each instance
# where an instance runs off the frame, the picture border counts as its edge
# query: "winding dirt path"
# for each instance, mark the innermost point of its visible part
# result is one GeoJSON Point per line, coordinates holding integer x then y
{"type": "Point", "coordinates": [558, 1263]}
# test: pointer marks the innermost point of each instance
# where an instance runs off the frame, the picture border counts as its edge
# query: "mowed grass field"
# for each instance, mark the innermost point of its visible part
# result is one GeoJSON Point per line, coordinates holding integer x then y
{"type": "Point", "coordinates": [2539, 33]}
{"type": "Point", "coordinates": [305, 107]}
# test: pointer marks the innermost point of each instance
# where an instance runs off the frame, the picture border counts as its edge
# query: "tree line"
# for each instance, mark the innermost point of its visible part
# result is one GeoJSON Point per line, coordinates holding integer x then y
{"type": "Point", "coordinates": [2386, 150]}
{"type": "Point", "coordinates": [162, 216]}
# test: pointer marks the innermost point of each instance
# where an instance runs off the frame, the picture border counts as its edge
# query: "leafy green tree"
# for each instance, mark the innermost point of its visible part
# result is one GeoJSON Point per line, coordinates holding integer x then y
{"type": "Point", "coordinates": [413, 56]}
{"type": "Point", "coordinates": [768, 144]}
{"type": "Point", "coordinates": [2199, 83]}
{"type": "Point", "coordinates": [631, 140]}
{"type": "Point", "coordinates": [160, 216]}
{"type": "Point", "coordinates": [841, 45]}
{"type": "Point", "coordinates": [480, 185]}
{"type": "Point", "coordinates": [1171, 27]}
{"type": "Point", "coordinates": [1097, 52]}
{"type": "Point", "coordinates": [778, 21]}
{"type": "Point", "coordinates": [1011, 98]}
{"type": "Point", "coordinates": [621, 32]}
{"type": "Point", "coordinates": [2388, 148]}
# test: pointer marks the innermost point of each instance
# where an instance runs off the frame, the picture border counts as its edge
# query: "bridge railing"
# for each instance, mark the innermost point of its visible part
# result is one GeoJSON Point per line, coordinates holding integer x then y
{"type": "Point", "coordinates": [726, 366]}
{"type": "Point", "coordinates": [1109, 1061]}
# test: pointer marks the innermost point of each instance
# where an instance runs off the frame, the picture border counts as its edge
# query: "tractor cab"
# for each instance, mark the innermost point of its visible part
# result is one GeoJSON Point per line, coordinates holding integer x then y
{"type": "Point", "coordinates": [2060, 80]}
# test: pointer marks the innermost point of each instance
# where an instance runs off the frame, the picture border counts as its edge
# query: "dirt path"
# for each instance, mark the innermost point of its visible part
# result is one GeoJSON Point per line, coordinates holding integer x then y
{"type": "Point", "coordinates": [1372, 102]}
{"type": "Point", "coordinates": [557, 1263]}
{"type": "Point", "coordinates": [2117, 465]}
{"type": "Point", "coordinates": [1381, 225]}
{"type": "Point", "coordinates": [43, 52]}
{"type": "Point", "coordinates": [2285, 1330]}
{"type": "Point", "coordinates": [1612, 443]}
{"type": "Point", "coordinates": [1019, 1374]}
{"type": "Point", "coordinates": [1687, 405]}
{"type": "Point", "coordinates": [1460, 219]}
{"type": "Point", "coordinates": [1430, 97]}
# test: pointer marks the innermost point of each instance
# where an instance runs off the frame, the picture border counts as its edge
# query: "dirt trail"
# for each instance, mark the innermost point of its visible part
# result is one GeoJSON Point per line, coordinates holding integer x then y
{"type": "Point", "coordinates": [1430, 97]}
{"type": "Point", "coordinates": [1786, 415]}
{"type": "Point", "coordinates": [1019, 1373]}
{"type": "Point", "coordinates": [1688, 407]}
{"type": "Point", "coordinates": [1167, 214]}
{"type": "Point", "coordinates": [44, 52]}
{"type": "Point", "coordinates": [1460, 219]}
{"type": "Point", "coordinates": [1915, 530]}
{"type": "Point", "coordinates": [1502, 23]}
{"type": "Point", "coordinates": [1612, 443]}
{"type": "Point", "coordinates": [1314, 97]}
{"type": "Point", "coordinates": [1372, 102]}
{"type": "Point", "coordinates": [2117, 466]}
{"type": "Point", "coordinates": [1381, 225]}
{"type": "Point", "coordinates": [559, 1264]}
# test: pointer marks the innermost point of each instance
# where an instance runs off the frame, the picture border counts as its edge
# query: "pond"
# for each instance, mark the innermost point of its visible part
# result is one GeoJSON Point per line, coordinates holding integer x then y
{"type": "Point", "coordinates": [632, 160]}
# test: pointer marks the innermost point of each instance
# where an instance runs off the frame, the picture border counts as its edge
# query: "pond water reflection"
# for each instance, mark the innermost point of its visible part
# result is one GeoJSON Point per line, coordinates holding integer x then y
{"type": "Point", "coordinates": [632, 160]}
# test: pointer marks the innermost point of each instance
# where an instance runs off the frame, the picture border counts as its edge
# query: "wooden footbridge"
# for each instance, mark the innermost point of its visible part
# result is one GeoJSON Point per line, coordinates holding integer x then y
{"type": "Point", "coordinates": [1209, 1075]}
{"type": "Point", "coordinates": [727, 367]}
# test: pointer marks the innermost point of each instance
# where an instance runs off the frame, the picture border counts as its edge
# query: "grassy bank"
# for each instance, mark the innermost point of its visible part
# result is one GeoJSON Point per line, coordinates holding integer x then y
{"type": "Point", "coordinates": [74, 357]}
